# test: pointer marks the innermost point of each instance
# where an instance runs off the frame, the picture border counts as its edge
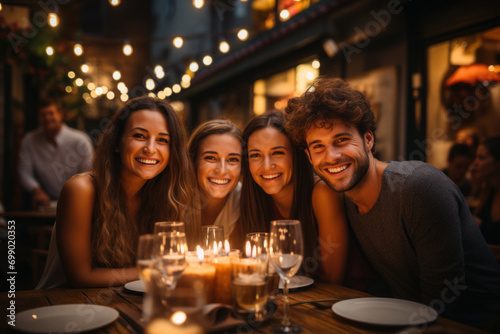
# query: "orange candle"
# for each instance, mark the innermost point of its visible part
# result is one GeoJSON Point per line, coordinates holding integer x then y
{"type": "Point", "coordinates": [222, 284]}
{"type": "Point", "coordinates": [196, 274]}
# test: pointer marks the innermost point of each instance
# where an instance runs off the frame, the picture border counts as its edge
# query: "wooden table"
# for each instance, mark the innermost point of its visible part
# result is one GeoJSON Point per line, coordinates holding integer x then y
{"type": "Point", "coordinates": [310, 318]}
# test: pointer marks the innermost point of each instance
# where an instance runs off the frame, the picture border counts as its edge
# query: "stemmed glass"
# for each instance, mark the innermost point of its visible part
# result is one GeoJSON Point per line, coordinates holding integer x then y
{"type": "Point", "coordinates": [172, 226]}
{"type": "Point", "coordinates": [213, 239]}
{"type": "Point", "coordinates": [171, 254]}
{"type": "Point", "coordinates": [146, 257]}
{"type": "Point", "coordinates": [286, 251]}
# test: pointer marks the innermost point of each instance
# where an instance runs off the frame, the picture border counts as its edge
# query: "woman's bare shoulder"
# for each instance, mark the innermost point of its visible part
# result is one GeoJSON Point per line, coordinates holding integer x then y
{"type": "Point", "coordinates": [83, 183]}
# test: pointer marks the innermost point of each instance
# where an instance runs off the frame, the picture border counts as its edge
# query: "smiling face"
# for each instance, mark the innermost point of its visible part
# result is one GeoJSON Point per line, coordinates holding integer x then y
{"type": "Point", "coordinates": [270, 156]}
{"type": "Point", "coordinates": [484, 166]}
{"type": "Point", "coordinates": [145, 146]}
{"type": "Point", "coordinates": [339, 155]}
{"type": "Point", "coordinates": [218, 165]}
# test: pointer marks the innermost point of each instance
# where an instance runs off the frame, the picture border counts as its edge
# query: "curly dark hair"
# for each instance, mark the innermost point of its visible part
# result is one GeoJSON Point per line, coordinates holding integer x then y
{"type": "Point", "coordinates": [328, 100]}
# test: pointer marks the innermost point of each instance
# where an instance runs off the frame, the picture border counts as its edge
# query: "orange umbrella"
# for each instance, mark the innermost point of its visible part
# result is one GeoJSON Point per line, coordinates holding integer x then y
{"type": "Point", "coordinates": [471, 74]}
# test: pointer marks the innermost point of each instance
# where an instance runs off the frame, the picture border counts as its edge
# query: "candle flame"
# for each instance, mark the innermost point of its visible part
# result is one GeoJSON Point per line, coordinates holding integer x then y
{"type": "Point", "coordinates": [248, 249]}
{"type": "Point", "coordinates": [254, 252]}
{"type": "Point", "coordinates": [226, 247]}
{"type": "Point", "coordinates": [215, 248]}
{"type": "Point", "coordinates": [219, 247]}
{"type": "Point", "coordinates": [178, 317]}
{"type": "Point", "coordinates": [199, 253]}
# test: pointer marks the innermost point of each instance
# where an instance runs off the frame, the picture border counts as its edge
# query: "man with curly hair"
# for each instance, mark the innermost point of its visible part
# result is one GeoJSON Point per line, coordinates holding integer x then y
{"type": "Point", "coordinates": [411, 220]}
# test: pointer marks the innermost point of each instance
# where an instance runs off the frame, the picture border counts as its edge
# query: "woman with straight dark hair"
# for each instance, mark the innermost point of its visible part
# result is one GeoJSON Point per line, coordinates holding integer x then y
{"type": "Point", "coordinates": [141, 174]}
{"type": "Point", "coordinates": [278, 183]}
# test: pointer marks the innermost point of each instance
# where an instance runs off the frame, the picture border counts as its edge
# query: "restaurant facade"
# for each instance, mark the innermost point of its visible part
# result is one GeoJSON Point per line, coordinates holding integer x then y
{"type": "Point", "coordinates": [404, 55]}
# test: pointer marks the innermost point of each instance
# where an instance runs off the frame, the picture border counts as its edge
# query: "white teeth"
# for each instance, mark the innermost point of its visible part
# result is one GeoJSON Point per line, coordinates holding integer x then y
{"type": "Point", "coordinates": [269, 177]}
{"type": "Point", "coordinates": [147, 161]}
{"type": "Point", "coordinates": [219, 181]}
{"type": "Point", "coordinates": [337, 170]}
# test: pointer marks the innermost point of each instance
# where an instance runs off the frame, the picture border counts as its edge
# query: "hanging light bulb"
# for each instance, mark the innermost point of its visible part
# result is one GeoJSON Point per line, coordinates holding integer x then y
{"type": "Point", "coordinates": [176, 88]}
{"type": "Point", "coordinates": [150, 84]}
{"type": "Point", "coordinates": [115, 3]}
{"type": "Point", "coordinates": [78, 49]}
{"type": "Point", "coordinates": [243, 34]}
{"type": "Point", "coordinates": [85, 68]}
{"type": "Point", "coordinates": [178, 42]}
{"type": "Point", "coordinates": [49, 50]}
{"type": "Point", "coordinates": [71, 74]}
{"type": "Point", "coordinates": [285, 15]}
{"type": "Point", "coordinates": [110, 95]}
{"type": "Point", "coordinates": [53, 20]}
{"type": "Point", "coordinates": [159, 72]}
{"type": "Point", "coordinates": [194, 66]}
{"type": "Point", "coordinates": [127, 48]}
{"type": "Point", "coordinates": [117, 75]}
{"type": "Point", "coordinates": [224, 47]}
{"type": "Point", "coordinates": [207, 60]}
{"type": "Point", "coordinates": [198, 3]}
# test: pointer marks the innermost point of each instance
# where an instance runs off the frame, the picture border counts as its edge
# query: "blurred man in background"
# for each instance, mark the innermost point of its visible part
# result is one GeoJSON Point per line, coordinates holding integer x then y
{"type": "Point", "coordinates": [51, 154]}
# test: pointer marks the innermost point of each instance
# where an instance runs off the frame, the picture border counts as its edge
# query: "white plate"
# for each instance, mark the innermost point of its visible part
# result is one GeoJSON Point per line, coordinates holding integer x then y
{"type": "Point", "coordinates": [385, 311]}
{"type": "Point", "coordinates": [65, 318]}
{"type": "Point", "coordinates": [297, 282]}
{"type": "Point", "coordinates": [137, 286]}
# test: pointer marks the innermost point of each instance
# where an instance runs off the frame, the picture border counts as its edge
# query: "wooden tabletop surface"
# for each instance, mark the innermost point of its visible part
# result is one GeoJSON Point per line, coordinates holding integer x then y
{"type": "Point", "coordinates": [309, 317]}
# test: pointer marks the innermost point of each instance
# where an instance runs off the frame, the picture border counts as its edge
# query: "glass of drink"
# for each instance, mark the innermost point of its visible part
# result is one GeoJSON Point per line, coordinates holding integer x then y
{"type": "Point", "coordinates": [286, 252]}
{"type": "Point", "coordinates": [249, 284]}
{"type": "Point", "coordinates": [213, 239]}
{"type": "Point", "coordinates": [258, 242]}
{"type": "Point", "coordinates": [171, 257]}
{"type": "Point", "coordinates": [172, 226]}
{"type": "Point", "coordinates": [146, 257]}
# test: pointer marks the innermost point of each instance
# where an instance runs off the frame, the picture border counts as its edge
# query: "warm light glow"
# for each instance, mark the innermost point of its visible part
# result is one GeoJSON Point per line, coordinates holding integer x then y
{"type": "Point", "coordinates": [178, 42]}
{"type": "Point", "coordinates": [127, 49]}
{"type": "Point", "coordinates": [71, 74]}
{"type": "Point", "coordinates": [98, 91]}
{"type": "Point", "coordinates": [198, 3]}
{"type": "Point", "coordinates": [168, 91]}
{"type": "Point", "coordinates": [185, 84]}
{"type": "Point", "coordinates": [200, 254]}
{"type": "Point", "coordinates": [315, 64]}
{"type": "Point", "coordinates": [124, 97]}
{"type": "Point", "coordinates": [79, 82]}
{"type": "Point", "coordinates": [49, 50]}
{"type": "Point", "coordinates": [226, 247]}
{"type": "Point", "coordinates": [224, 47]}
{"type": "Point", "coordinates": [53, 20]}
{"type": "Point", "coordinates": [68, 89]}
{"type": "Point", "coordinates": [161, 94]}
{"type": "Point", "coordinates": [150, 84]}
{"type": "Point", "coordinates": [491, 68]}
{"type": "Point", "coordinates": [78, 49]}
{"type": "Point", "coordinates": [86, 96]}
{"type": "Point", "coordinates": [91, 86]}
{"type": "Point", "coordinates": [121, 86]}
{"type": "Point", "coordinates": [176, 88]}
{"type": "Point", "coordinates": [243, 34]}
{"type": "Point", "coordinates": [115, 3]}
{"type": "Point", "coordinates": [207, 60]}
{"type": "Point", "coordinates": [310, 75]}
{"type": "Point", "coordinates": [110, 95]}
{"type": "Point", "coordinates": [93, 94]}
{"type": "Point", "coordinates": [194, 66]}
{"type": "Point", "coordinates": [159, 72]}
{"type": "Point", "coordinates": [117, 75]}
{"type": "Point", "coordinates": [248, 249]}
{"type": "Point", "coordinates": [151, 94]}
{"type": "Point", "coordinates": [104, 89]}
{"type": "Point", "coordinates": [254, 251]}
{"type": "Point", "coordinates": [0, 7]}
{"type": "Point", "coordinates": [284, 15]}
{"type": "Point", "coordinates": [85, 68]}
{"type": "Point", "coordinates": [178, 317]}
{"type": "Point", "coordinates": [186, 78]}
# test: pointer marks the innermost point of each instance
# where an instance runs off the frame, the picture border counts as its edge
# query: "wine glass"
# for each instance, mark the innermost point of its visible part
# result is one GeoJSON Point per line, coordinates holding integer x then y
{"type": "Point", "coordinates": [286, 251]}
{"type": "Point", "coordinates": [172, 226]}
{"type": "Point", "coordinates": [260, 242]}
{"type": "Point", "coordinates": [146, 256]}
{"type": "Point", "coordinates": [171, 250]}
{"type": "Point", "coordinates": [213, 239]}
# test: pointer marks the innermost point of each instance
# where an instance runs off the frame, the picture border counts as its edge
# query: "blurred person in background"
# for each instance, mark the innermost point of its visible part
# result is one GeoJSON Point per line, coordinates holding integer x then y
{"type": "Point", "coordinates": [486, 170]}
{"type": "Point", "coordinates": [141, 175]}
{"type": "Point", "coordinates": [51, 154]}
{"type": "Point", "coordinates": [215, 149]}
{"type": "Point", "coordinates": [460, 157]}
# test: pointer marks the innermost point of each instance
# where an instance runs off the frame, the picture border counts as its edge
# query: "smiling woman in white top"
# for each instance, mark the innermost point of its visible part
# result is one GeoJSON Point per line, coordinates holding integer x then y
{"type": "Point", "coordinates": [215, 151]}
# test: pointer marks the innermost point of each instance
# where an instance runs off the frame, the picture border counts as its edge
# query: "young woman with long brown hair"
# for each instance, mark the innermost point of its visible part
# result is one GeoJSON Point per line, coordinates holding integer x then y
{"type": "Point", "coordinates": [141, 174]}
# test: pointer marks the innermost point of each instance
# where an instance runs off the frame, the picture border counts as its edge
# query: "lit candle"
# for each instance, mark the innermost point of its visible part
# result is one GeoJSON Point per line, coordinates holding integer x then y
{"type": "Point", "coordinates": [222, 283]}
{"type": "Point", "coordinates": [198, 271]}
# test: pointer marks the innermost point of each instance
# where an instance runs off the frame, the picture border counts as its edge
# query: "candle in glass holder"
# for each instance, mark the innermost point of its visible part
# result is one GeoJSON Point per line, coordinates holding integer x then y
{"type": "Point", "coordinates": [198, 270]}
{"type": "Point", "coordinates": [222, 284]}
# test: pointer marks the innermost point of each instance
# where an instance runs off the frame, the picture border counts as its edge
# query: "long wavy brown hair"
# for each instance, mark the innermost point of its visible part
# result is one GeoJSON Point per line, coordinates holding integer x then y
{"type": "Point", "coordinates": [168, 196]}
{"type": "Point", "coordinates": [257, 206]}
